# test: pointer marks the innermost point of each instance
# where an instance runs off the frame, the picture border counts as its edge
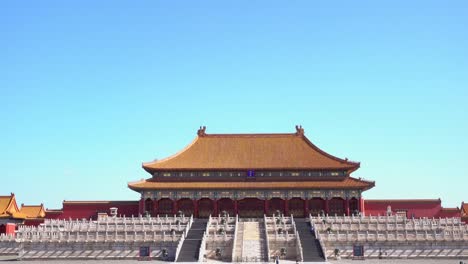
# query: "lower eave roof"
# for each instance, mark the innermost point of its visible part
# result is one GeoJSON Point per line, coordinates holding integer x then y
{"type": "Point", "coordinates": [15, 215]}
{"type": "Point", "coordinates": [347, 183]}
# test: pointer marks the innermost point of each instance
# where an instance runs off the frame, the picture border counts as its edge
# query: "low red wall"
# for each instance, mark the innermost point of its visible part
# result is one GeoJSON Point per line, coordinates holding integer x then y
{"type": "Point", "coordinates": [87, 210]}
{"type": "Point", "coordinates": [414, 208]}
{"type": "Point", "coordinates": [53, 214]}
{"type": "Point", "coordinates": [465, 219]}
{"type": "Point", "coordinates": [448, 213]}
{"type": "Point", "coordinates": [33, 222]}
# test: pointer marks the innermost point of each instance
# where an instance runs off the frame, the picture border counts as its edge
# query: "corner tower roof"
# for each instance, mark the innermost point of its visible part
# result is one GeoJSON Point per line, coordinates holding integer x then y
{"type": "Point", "coordinates": [9, 208]}
{"type": "Point", "coordinates": [293, 151]}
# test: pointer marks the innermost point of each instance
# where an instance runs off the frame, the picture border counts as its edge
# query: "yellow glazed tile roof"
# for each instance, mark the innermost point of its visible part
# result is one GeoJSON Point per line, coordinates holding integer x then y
{"type": "Point", "coordinates": [347, 183]}
{"type": "Point", "coordinates": [9, 208]}
{"type": "Point", "coordinates": [33, 211]}
{"type": "Point", "coordinates": [251, 151]}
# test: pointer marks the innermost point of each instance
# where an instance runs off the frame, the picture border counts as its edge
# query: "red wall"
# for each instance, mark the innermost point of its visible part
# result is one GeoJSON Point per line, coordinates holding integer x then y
{"type": "Point", "coordinates": [33, 222]}
{"type": "Point", "coordinates": [8, 228]}
{"type": "Point", "coordinates": [414, 208]}
{"type": "Point", "coordinates": [54, 214]}
{"type": "Point", "coordinates": [449, 212]}
{"type": "Point", "coordinates": [87, 210]}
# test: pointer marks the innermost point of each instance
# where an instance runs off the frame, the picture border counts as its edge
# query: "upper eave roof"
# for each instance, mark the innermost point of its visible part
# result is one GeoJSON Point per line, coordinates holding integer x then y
{"type": "Point", "coordinates": [251, 151]}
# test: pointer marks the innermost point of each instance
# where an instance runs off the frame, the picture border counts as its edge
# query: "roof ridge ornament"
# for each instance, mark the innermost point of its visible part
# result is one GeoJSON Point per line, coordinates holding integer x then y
{"type": "Point", "coordinates": [299, 130]}
{"type": "Point", "coordinates": [201, 131]}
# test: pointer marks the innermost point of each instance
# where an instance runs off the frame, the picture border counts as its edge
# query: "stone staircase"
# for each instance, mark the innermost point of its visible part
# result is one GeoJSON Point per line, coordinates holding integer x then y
{"type": "Point", "coordinates": [191, 245]}
{"type": "Point", "coordinates": [251, 242]}
{"type": "Point", "coordinates": [311, 250]}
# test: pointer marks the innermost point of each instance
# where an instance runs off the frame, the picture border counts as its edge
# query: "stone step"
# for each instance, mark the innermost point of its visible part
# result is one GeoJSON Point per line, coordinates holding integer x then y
{"type": "Point", "coordinates": [311, 250]}
{"type": "Point", "coordinates": [192, 243]}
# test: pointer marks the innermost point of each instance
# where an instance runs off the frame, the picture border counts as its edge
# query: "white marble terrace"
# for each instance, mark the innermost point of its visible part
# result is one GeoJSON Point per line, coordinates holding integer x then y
{"type": "Point", "coordinates": [392, 236]}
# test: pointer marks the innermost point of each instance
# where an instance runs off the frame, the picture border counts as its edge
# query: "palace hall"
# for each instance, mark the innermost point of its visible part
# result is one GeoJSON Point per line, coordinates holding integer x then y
{"type": "Point", "coordinates": [251, 175]}
{"type": "Point", "coordinates": [239, 198]}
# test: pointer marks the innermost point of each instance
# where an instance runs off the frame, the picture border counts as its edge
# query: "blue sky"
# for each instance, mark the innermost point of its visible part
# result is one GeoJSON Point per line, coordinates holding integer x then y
{"type": "Point", "coordinates": [91, 89]}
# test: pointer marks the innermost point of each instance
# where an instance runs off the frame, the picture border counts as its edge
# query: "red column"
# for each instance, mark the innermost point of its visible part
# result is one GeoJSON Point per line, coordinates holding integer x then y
{"type": "Point", "coordinates": [155, 208]}
{"type": "Point", "coordinates": [195, 208]}
{"type": "Point", "coordinates": [346, 201]}
{"type": "Point", "coordinates": [141, 206]}
{"type": "Point", "coordinates": [265, 207]}
{"type": "Point", "coordinates": [236, 211]}
{"type": "Point", "coordinates": [286, 207]}
{"type": "Point", "coordinates": [174, 207]}
{"type": "Point", "coordinates": [361, 207]}
{"type": "Point", "coordinates": [327, 206]}
{"type": "Point", "coordinates": [215, 207]}
{"type": "Point", "coordinates": [306, 207]}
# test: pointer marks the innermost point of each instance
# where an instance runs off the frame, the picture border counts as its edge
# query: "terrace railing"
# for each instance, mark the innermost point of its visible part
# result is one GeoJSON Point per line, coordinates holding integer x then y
{"type": "Point", "coordinates": [234, 242]}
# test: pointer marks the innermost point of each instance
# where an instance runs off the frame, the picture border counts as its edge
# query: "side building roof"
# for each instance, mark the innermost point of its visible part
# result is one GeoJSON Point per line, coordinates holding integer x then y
{"type": "Point", "coordinates": [464, 209]}
{"type": "Point", "coordinates": [33, 211]}
{"type": "Point", "coordinates": [9, 207]}
{"type": "Point", "coordinates": [292, 151]}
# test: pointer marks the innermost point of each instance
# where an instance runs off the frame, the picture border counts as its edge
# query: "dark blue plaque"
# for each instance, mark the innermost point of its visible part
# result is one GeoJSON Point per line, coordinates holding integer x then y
{"type": "Point", "coordinates": [358, 251]}
{"type": "Point", "coordinates": [144, 252]}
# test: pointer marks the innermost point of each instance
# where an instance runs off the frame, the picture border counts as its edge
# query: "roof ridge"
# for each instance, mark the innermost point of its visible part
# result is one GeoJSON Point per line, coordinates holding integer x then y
{"type": "Point", "coordinates": [249, 134]}
{"type": "Point", "coordinates": [202, 133]}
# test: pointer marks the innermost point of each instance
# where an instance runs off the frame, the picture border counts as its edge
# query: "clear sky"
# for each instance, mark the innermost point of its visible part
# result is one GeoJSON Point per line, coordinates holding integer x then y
{"type": "Point", "coordinates": [91, 89]}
